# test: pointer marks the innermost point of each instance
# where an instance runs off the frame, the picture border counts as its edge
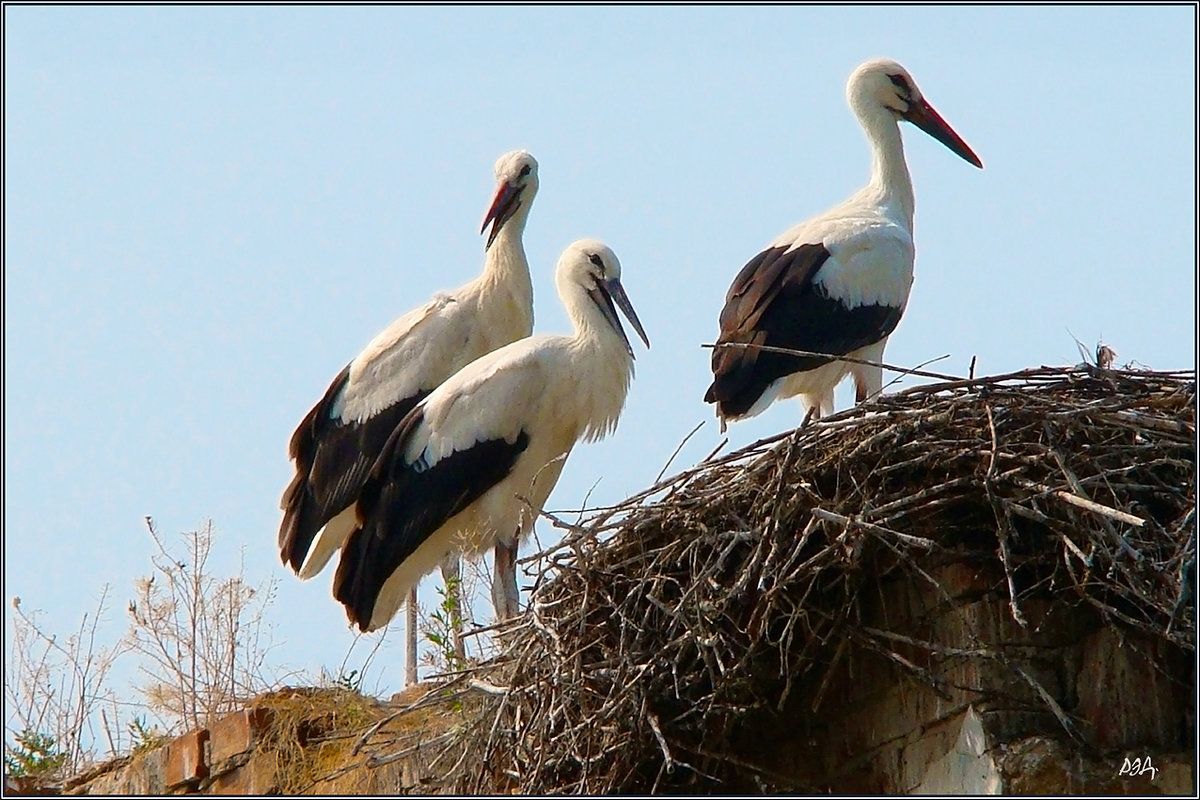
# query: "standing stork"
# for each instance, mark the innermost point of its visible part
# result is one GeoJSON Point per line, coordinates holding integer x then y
{"type": "Point", "coordinates": [838, 283]}
{"type": "Point", "coordinates": [473, 463]}
{"type": "Point", "coordinates": [340, 438]}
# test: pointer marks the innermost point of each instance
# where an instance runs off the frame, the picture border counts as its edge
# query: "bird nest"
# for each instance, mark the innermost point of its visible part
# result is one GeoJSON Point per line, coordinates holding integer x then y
{"type": "Point", "coordinates": [663, 632]}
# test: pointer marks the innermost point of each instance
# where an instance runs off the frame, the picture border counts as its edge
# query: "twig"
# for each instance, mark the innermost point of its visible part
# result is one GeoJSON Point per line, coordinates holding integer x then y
{"type": "Point", "coordinates": [1111, 513]}
{"type": "Point", "coordinates": [400, 755]}
{"type": "Point", "coordinates": [1002, 530]}
{"type": "Point", "coordinates": [662, 742]}
{"type": "Point", "coordinates": [667, 465]}
{"type": "Point", "coordinates": [837, 357]}
{"type": "Point", "coordinates": [915, 541]}
{"type": "Point", "coordinates": [489, 688]}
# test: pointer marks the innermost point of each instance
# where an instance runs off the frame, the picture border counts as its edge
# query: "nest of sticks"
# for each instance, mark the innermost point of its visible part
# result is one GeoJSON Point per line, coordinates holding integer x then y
{"type": "Point", "coordinates": [659, 631]}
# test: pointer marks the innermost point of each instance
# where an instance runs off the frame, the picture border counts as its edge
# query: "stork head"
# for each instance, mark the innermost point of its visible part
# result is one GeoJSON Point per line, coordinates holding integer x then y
{"type": "Point", "coordinates": [591, 266]}
{"type": "Point", "coordinates": [516, 184]}
{"type": "Point", "coordinates": [882, 83]}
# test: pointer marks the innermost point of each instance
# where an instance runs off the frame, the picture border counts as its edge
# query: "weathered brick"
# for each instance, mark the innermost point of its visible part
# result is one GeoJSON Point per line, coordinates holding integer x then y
{"type": "Point", "coordinates": [237, 733]}
{"type": "Point", "coordinates": [25, 786]}
{"type": "Point", "coordinates": [185, 759]}
{"type": "Point", "coordinates": [146, 774]}
{"type": "Point", "coordinates": [255, 777]}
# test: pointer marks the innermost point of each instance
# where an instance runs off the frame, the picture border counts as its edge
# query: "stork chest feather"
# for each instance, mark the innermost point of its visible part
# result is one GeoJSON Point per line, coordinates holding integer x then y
{"type": "Point", "coordinates": [872, 267]}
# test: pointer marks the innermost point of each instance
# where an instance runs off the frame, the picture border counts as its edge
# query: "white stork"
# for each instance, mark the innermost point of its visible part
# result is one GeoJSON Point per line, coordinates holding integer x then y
{"type": "Point", "coordinates": [837, 283]}
{"type": "Point", "coordinates": [473, 463]}
{"type": "Point", "coordinates": [340, 438]}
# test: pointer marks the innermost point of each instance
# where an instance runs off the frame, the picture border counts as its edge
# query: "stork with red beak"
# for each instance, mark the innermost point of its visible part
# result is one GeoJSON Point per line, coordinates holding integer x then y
{"type": "Point", "coordinates": [837, 284]}
{"type": "Point", "coordinates": [337, 442]}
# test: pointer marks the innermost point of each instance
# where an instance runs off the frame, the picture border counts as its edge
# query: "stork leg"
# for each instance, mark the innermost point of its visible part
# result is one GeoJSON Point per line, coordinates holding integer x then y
{"type": "Point", "coordinates": [816, 406]}
{"type": "Point", "coordinates": [868, 380]}
{"type": "Point", "coordinates": [825, 408]}
{"type": "Point", "coordinates": [504, 580]}
{"type": "Point", "coordinates": [452, 575]}
{"type": "Point", "coordinates": [410, 643]}
{"type": "Point", "coordinates": [861, 392]}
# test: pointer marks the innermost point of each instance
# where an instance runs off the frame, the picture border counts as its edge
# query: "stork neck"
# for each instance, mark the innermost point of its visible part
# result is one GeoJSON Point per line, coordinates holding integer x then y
{"type": "Point", "coordinates": [606, 366]}
{"type": "Point", "coordinates": [505, 264]}
{"type": "Point", "coordinates": [891, 185]}
{"type": "Point", "coordinates": [592, 330]}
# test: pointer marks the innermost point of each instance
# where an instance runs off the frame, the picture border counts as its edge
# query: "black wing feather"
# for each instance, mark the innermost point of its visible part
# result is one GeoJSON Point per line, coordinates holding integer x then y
{"type": "Point", "coordinates": [773, 302]}
{"type": "Point", "coordinates": [333, 459]}
{"type": "Point", "coordinates": [399, 507]}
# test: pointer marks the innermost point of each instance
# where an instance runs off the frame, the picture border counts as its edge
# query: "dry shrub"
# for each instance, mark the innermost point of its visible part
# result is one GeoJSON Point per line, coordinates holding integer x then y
{"type": "Point", "coordinates": [203, 640]}
{"type": "Point", "coordinates": [56, 697]}
{"type": "Point", "coordinates": [200, 644]}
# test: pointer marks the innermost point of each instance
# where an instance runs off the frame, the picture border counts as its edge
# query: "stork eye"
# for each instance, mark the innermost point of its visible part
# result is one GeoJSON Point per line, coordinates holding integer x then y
{"type": "Point", "coordinates": [901, 85]}
{"type": "Point", "coordinates": [525, 170]}
{"type": "Point", "coordinates": [595, 259]}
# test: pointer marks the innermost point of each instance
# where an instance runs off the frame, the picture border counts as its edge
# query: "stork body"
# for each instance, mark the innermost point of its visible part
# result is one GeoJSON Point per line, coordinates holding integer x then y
{"type": "Point", "coordinates": [339, 439]}
{"type": "Point", "coordinates": [472, 464]}
{"type": "Point", "coordinates": [836, 284]}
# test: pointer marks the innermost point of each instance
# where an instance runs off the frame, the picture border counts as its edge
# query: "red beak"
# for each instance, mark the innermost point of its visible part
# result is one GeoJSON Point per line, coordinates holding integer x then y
{"type": "Point", "coordinates": [924, 117]}
{"type": "Point", "coordinates": [507, 201]}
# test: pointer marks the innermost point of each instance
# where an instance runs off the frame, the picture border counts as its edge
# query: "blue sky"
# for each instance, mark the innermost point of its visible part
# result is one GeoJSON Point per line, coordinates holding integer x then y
{"type": "Point", "coordinates": [209, 211]}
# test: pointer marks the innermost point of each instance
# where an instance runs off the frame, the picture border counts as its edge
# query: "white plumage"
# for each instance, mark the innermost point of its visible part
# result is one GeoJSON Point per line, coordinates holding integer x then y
{"type": "Point", "coordinates": [485, 449]}
{"type": "Point", "coordinates": [836, 284]}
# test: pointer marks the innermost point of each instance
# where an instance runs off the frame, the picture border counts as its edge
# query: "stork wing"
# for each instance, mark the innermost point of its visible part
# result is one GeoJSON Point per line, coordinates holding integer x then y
{"type": "Point", "coordinates": [452, 448]}
{"type": "Point", "coordinates": [779, 300]}
{"type": "Point", "coordinates": [412, 355]}
{"type": "Point", "coordinates": [341, 436]}
{"type": "Point", "coordinates": [754, 294]}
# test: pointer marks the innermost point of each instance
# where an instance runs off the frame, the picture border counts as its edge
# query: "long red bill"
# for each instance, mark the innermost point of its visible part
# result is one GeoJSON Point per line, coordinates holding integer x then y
{"type": "Point", "coordinates": [927, 119]}
{"type": "Point", "coordinates": [507, 200]}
